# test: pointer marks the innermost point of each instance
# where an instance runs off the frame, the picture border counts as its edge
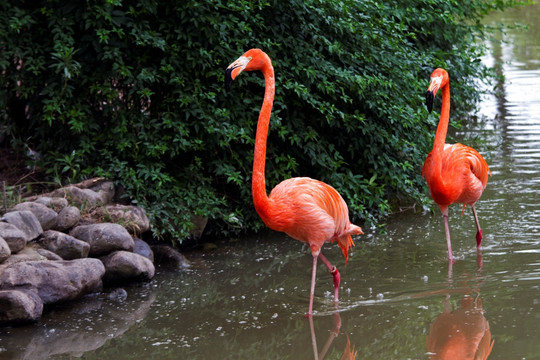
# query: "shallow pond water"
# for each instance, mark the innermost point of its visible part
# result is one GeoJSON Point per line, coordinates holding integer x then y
{"type": "Point", "coordinates": [399, 299]}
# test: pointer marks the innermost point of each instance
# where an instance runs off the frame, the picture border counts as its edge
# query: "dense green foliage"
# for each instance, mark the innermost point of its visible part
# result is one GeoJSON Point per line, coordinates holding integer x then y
{"type": "Point", "coordinates": [133, 90]}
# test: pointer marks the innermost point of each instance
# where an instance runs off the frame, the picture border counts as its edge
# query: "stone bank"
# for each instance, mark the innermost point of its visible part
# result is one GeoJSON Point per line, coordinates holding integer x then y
{"type": "Point", "coordinates": [69, 243]}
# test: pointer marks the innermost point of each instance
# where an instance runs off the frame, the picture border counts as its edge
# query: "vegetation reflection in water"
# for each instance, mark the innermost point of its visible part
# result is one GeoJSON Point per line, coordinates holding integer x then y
{"type": "Point", "coordinates": [246, 299]}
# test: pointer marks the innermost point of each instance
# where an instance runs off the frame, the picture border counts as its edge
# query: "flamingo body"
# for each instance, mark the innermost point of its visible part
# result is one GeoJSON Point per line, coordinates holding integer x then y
{"type": "Point", "coordinates": [464, 175]}
{"type": "Point", "coordinates": [454, 173]}
{"type": "Point", "coordinates": [307, 210]}
{"type": "Point", "coordinates": [310, 211]}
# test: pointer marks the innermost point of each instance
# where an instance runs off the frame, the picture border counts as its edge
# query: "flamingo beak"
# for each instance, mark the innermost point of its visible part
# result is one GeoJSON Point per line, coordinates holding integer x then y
{"type": "Point", "coordinates": [432, 91]}
{"type": "Point", "coordinates": [430, 96]}
{"type": "Point", "coordinates": [234, 70]}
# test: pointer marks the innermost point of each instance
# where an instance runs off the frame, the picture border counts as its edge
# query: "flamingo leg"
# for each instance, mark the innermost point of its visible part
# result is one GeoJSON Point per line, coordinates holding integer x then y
{"type": "Point", "coordinates": [313, 278]}
{"type": "Point", "coordinates": [479, 233]}
{"type": "Point", "coordinates": [448, 242]}
{"type": "Point", "coordinates": [333, 270]}
{"type": "Point", "coordinates": [335, 273]}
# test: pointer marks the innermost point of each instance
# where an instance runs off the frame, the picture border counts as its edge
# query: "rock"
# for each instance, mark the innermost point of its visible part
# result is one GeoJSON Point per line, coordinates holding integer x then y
{"type": "Point", "coordinates": [168, 257]}
{"type": "Point", "coordinates": [67, 218]}
{"type": "Point", "coordinates": [19, 306]}
{"type": "Point", "coordinates": [91, 183]}
{"type": "Point", "coordinates": [106, 190]}
{"type": "Point", "coordinates": [14, 237]}
{"type": "Point", "coordinates": [55, 281]}
{"type": "Point", "coordinates": [64, 245]}
{"type": "Point", "coordinates": [26, 254]}
{"type": "Point", "coordinates": [118, 294]}
{"type": "Point", "coordinates": [142, 248]}
{"type": "Point", "coordinates": [55, 203]}
{"type": "Point", "coordinates": [133, 218]}
{"type": "Point", "coordinates": [25, 221]}
{"type": "Point", "coordinates": [49, 255]}
{"type": "Point", "coordinates": [41, 264]}
{"type": "Point", "coordinates": [45, 216]}
{"type": "Point", "coordinates": [5, 251]}
{"type": "Point", "coordinates": [124, 265]}
{"type": "Point", "coordinates": [104, 238]}
{"type": "Point", "coordinates": [81, 197]}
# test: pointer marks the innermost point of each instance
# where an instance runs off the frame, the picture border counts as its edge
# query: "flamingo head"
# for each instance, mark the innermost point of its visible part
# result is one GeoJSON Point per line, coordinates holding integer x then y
{"type": "Point", "coordinates": [254, 59]}
{"type": "Point", "coordinates": [439, 79]}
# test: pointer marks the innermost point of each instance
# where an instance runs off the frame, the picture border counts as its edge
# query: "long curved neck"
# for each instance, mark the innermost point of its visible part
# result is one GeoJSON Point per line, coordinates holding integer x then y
{"type": "Point", "coordinates": [436, 181]}
{"type": "Point", "coordinates": [442, 128]}
{"type": "Point", "coordinates": [260, 198]}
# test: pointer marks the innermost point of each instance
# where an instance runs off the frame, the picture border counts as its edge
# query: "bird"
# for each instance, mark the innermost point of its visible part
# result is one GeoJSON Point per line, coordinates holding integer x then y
{"type": "Point", "coordinates": [454, 173]}
{"type": "Point", "coordinates": [305, 209]}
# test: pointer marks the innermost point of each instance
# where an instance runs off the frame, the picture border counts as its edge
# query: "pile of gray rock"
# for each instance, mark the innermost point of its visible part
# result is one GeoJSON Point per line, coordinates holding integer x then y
{"type": "Point", "coordinates": [71, 242]}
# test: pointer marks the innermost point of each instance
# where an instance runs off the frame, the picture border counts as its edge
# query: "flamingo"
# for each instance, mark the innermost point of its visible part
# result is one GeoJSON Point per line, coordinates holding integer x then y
{"type": "Point", "coordinates": [307, 210]}
{"type": "Point", "coordinates": [454, 173]}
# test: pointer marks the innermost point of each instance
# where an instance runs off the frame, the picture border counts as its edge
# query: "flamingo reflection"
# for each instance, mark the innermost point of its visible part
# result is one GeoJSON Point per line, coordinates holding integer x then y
{"type": "Point", "coordinates": [479, 264]}
{"type": "Point", "coordinates": [348, 353]}
{"type": "Point", "coordinates": [460, 334]}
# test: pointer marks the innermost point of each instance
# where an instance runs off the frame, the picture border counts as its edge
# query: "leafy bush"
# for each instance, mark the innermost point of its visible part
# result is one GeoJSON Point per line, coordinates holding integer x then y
{"type": "Point", "coordinates": [133, 90]}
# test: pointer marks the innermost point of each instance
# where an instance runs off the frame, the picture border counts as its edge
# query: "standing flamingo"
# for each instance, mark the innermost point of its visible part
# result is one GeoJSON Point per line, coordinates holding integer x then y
{"type": "Point", "coordinates": [454, 173]}
{"type": "Point", "coordinates": [305, 209]}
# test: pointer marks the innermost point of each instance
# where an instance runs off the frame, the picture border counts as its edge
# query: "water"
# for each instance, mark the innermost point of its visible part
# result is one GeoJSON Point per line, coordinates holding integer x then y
{"type": "Point", "coordinates": [246, 299]}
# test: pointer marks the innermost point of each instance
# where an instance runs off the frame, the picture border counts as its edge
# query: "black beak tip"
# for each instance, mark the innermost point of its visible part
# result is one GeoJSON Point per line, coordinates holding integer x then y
{"type": "Point", "coordinates": [429, 100]}
{"type": "Point", "coordinates": [228, 79]}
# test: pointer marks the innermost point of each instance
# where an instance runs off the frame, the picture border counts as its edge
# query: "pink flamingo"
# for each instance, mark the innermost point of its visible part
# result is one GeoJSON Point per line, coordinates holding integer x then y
{"type": "Point", "coordinates": [454, 173]}
{"type": "Point", "coordinates": [305, 209]}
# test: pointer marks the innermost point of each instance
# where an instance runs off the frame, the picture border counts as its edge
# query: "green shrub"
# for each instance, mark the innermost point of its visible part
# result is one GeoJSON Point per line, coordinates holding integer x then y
{"type": "Point", "coordinates": [133, 90]}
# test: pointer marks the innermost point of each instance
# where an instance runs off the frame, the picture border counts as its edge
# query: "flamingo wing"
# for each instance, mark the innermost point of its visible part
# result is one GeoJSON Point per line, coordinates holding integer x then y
{"type": "Point", "coordinates": [463, 175]}
{"type": "Point", "coordinates": [313, 212]}
{"type": "Point", "coordinates": [473, 169]}
{"type": "Point", "coordinates": [478, 164]}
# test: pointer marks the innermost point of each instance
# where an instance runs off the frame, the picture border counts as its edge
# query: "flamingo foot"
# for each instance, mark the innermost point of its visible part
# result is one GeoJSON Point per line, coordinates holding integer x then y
{"type": "Point", "coordinates": [479, 238]}
{"type": "Point", "coordinates": [337, 279]}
